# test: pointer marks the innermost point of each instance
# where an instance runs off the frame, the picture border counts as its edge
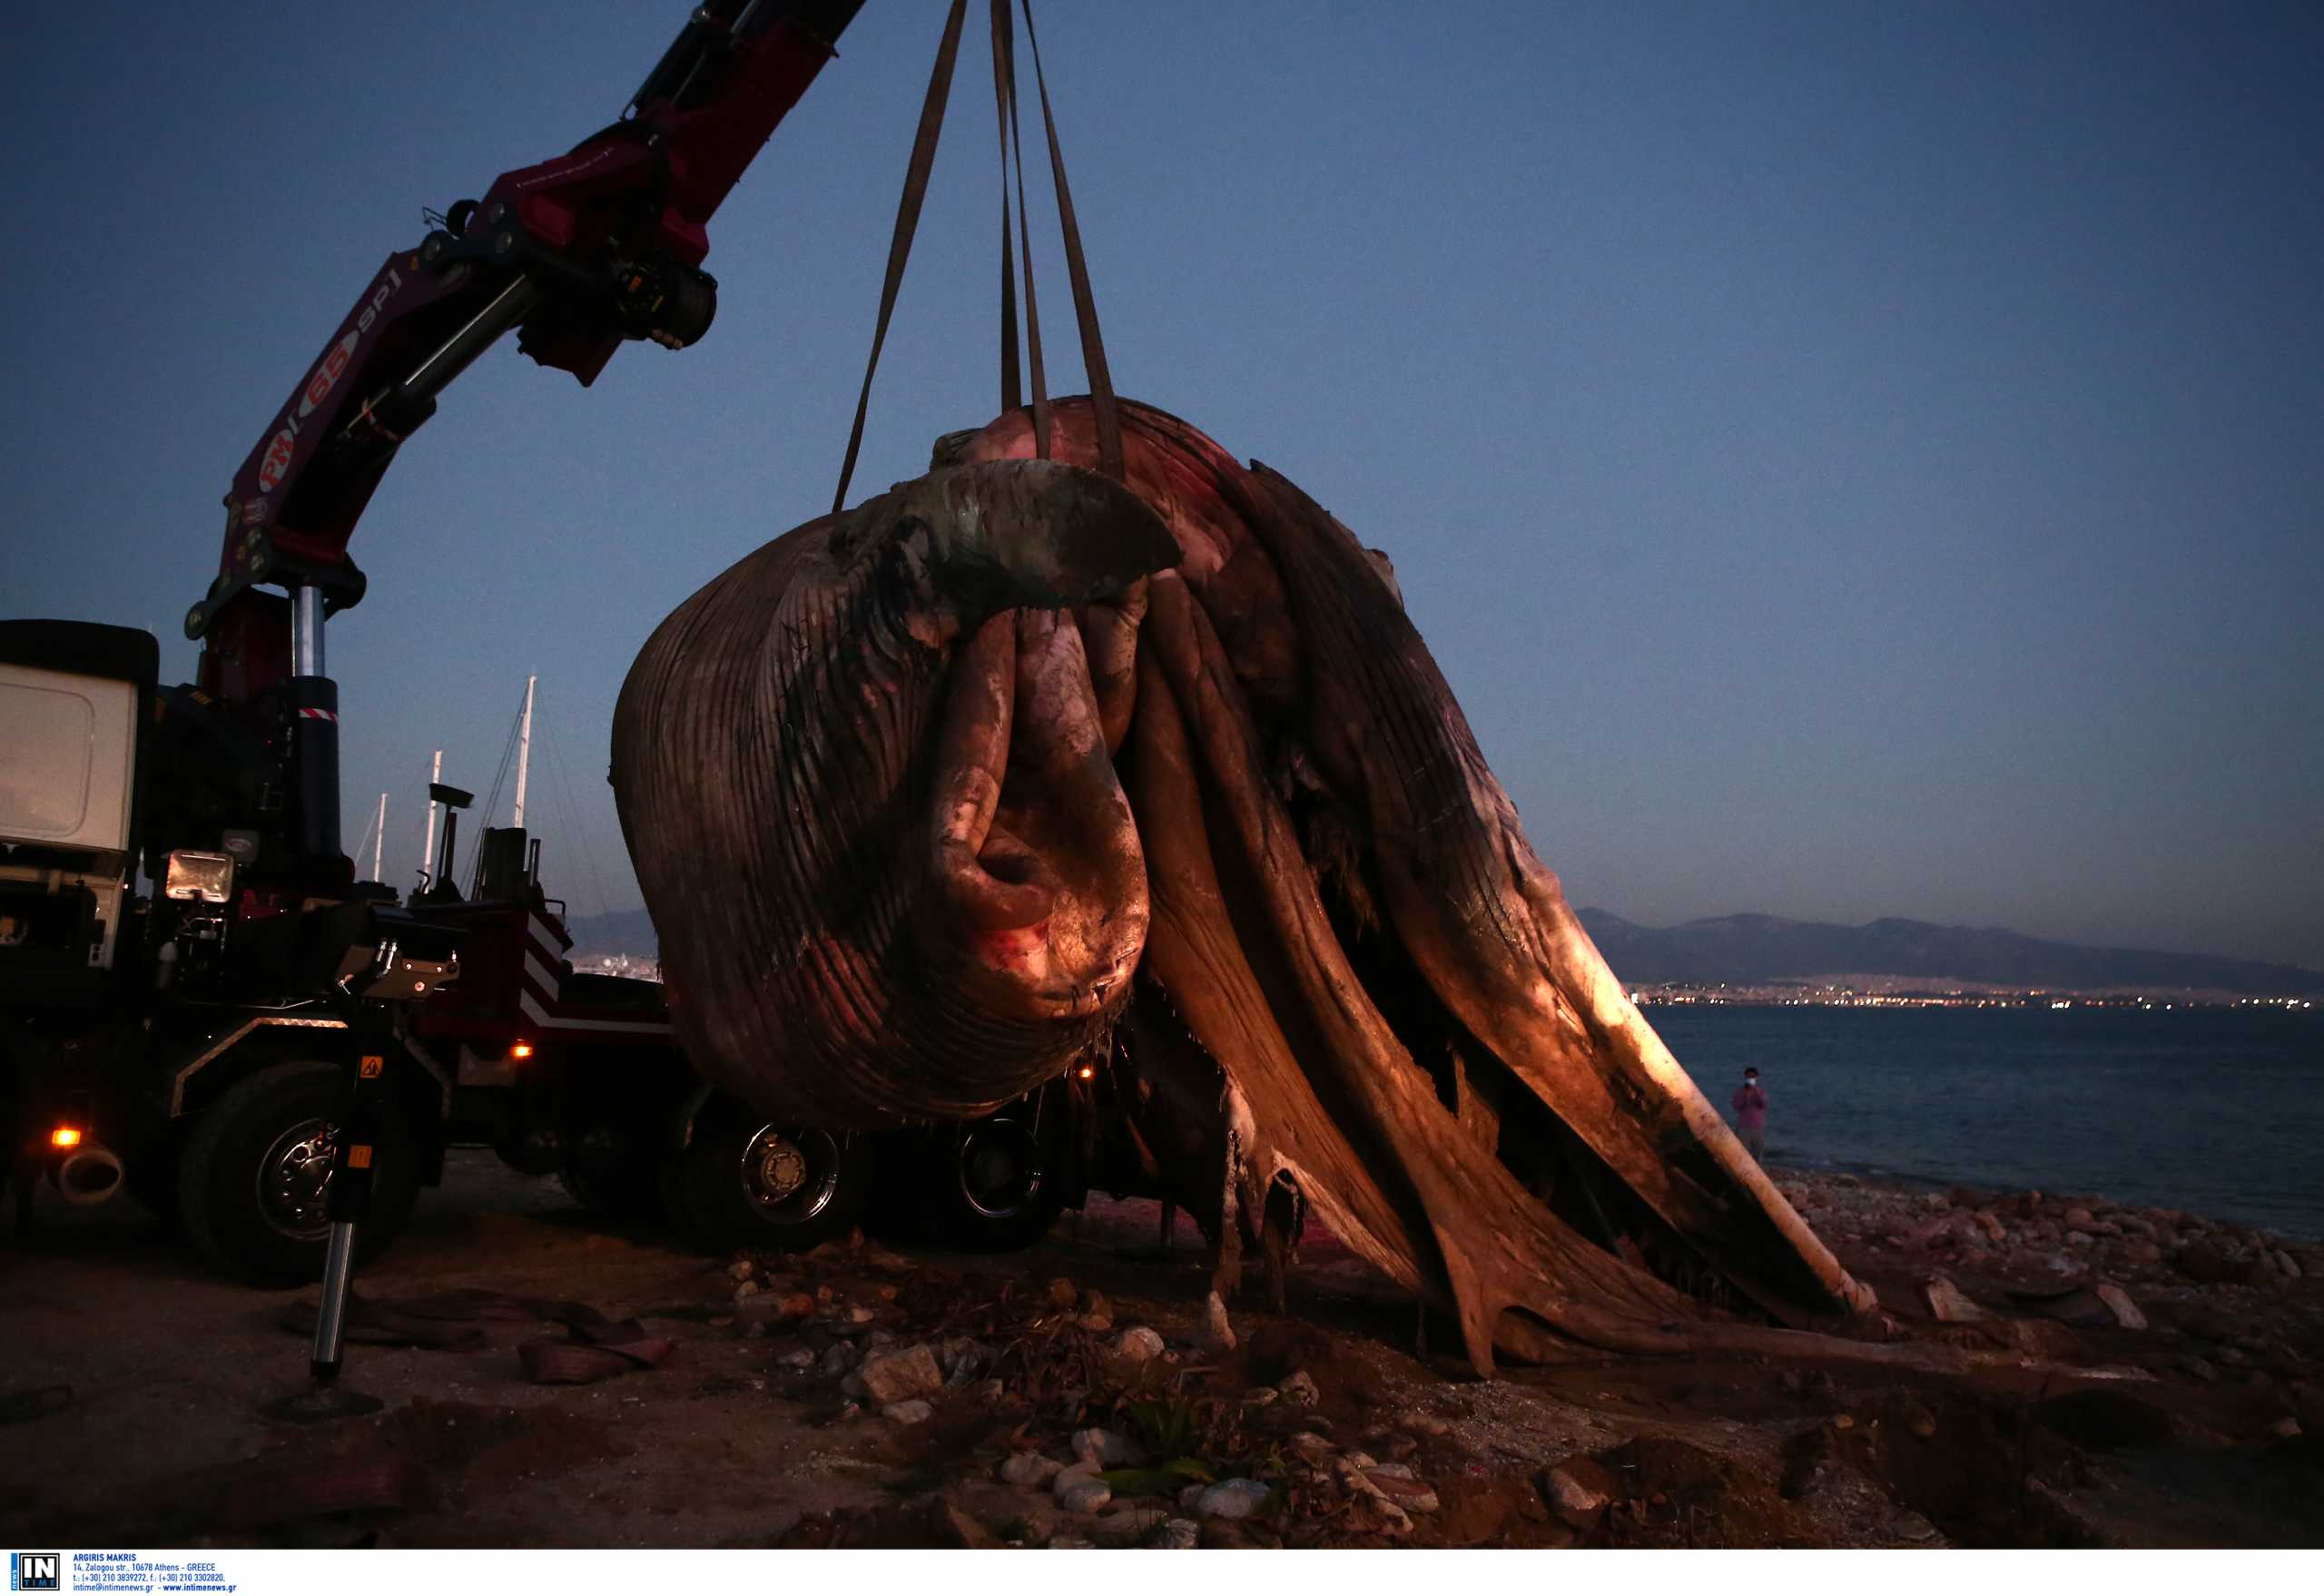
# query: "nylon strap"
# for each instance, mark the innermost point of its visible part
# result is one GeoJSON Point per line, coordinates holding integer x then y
{"type": "Point", "coordinates": [1103, 403]}
{"type": "Point", "coordinates": [1025, 243]}
{"type": "Point", "coordinates": [1004, 102]}
{"type": "Point", "coordinates": [924, 161]}
{"type": "Point", "coordinates": [1085, 305]}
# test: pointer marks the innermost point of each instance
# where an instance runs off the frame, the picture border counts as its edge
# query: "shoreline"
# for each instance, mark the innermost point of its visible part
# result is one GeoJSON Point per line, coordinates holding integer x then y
{"type": "Point", "coordinates": [2223, 1301]}
{"type": "Point", "coordinates": [2209, 1113]}
{"type": "Point", "coordinates": [1843, 1171]}
{"type": "Point", "coordinates": [1870, 992]}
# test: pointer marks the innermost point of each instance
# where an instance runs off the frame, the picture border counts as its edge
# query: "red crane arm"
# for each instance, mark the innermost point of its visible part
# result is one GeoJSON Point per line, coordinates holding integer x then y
{"type": "Point", "coordinates": [578, 253]}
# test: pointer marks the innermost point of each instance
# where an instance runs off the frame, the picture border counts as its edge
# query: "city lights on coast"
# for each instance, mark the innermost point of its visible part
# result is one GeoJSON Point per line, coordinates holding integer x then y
{"type": "Point", "coordinates": [1900, 994]}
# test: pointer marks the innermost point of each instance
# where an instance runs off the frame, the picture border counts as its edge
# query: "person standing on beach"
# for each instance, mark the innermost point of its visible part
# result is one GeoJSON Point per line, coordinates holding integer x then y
{"type": "Point", "coordinates": [1750, 1106]}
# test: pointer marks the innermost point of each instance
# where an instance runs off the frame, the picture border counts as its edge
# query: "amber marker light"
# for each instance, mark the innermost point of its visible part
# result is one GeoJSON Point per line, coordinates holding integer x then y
{"type": "Point", "coordinates": [521, 1050]}
{"type": "Point", "coordinates": [1088, 1071]}
{"type": "Point", "coordinates": [64, 1136]}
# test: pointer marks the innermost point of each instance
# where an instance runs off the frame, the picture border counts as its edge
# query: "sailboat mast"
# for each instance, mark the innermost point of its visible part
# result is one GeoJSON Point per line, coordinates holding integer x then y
{"type": "Point", "coordinates": [428, 851]}
{"type": "Point", "coordinates": [524, 750]}
{"type": "Point", "coordinates": [379, 838]}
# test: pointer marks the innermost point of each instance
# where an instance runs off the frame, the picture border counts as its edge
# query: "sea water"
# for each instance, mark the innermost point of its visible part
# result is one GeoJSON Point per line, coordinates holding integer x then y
{"type": "Point", "coordinates": [2219, 1111]}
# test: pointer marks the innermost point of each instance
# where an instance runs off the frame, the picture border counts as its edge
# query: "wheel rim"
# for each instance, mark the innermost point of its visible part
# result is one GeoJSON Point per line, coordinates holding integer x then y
{"type": "Point", "coordinates": [295, 1180]}
{"type": "Point", "coordinates": [790, 1176]}
{"type": "Point", "coordinates": [1000, 1168]}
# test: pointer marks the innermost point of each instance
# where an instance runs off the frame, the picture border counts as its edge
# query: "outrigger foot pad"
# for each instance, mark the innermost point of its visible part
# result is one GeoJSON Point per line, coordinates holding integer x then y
{"type": "Point", "coordinates": [322, 1403]}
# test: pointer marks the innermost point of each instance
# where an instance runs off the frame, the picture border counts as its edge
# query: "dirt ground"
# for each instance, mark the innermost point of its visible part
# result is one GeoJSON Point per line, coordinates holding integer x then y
{"type": "Point", "coordinates": [862, 1396]}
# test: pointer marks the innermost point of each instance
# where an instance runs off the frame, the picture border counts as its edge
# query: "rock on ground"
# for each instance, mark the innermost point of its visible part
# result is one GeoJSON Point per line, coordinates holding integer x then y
{"type": "Point", "coordinates": [1126, 1525]}
{"type": "Point", "coordinates": [1083, 1492]}
{"type": "Point", "coordinates": [1568, 1495]}
{"type": "Point", "coordinates": [898, 1376]}
{"type": "Point", "coordinates": [1231, 1499]}
{"type": "Point", "coordinates": [1137, 1345]}
{"type": "Point", "coordinates": [2118, 1303]}
{"type": "Point", "coordinates": [1218, 1332]}
{"type": "Point", "coordinates": [1103, 1448]}
{"type": "Point", "coordinates": [1395, 1481]}
{"type": "Point", "coordinates": [1949, 1304]}
{"type": "Point", "coordinates": [1029, 1468]}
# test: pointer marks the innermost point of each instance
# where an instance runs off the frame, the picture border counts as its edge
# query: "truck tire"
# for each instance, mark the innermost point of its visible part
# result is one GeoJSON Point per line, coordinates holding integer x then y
{"type": "Point", "coordinates": [994, 1185]}
{"type": "Point", "coordinates": [251, 1183]}
{"type": "Point", "coordinates": [998, 1187]}
{"type": "Point", "coordinates": [742, 1182]}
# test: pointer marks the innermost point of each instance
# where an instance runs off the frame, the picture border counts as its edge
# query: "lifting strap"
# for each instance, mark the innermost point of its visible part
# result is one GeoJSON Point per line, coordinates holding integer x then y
{"type": "Point", "coordinates": [1004, 109]}
{"type": "Point", "coordinates": [924, 161]}
{"type": "Point", "coordinates": [1004, 89]}
{"type": "Point", "coordinates": [908, 209]}
{"type": "Point", "coordinates": [1085, 305]}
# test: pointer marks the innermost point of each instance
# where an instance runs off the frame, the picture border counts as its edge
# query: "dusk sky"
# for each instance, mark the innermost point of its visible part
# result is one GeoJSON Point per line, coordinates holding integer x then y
{"type": "Point", "coordinates": [1848, 460]}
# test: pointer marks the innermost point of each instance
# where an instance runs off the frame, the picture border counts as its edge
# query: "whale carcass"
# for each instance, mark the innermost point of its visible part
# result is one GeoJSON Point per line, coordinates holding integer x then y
{"type": "Point", "coordinates": [1018, 763]}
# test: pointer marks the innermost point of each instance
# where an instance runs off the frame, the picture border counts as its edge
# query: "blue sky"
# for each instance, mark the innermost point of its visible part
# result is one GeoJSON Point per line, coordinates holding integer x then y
{"type": "Point", "coordinates": [1849, 460]}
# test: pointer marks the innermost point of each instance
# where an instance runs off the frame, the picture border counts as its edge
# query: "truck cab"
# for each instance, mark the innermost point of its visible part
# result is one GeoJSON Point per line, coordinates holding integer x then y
{"type": "Point", "coordinates": [173, 1016]}
{"type": "Point", "coordinates": [74, 708]}
{"type": "Point", "coordinates": [74, 704]}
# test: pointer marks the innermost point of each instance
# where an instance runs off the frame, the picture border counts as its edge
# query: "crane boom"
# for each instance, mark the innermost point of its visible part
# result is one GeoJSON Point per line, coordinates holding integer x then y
{"type": "Point", "coordinates": [576, 253]}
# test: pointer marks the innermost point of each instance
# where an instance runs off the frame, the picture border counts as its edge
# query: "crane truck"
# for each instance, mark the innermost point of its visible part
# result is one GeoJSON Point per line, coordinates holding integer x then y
{"type": "Point", "coordinates": [194, 987]}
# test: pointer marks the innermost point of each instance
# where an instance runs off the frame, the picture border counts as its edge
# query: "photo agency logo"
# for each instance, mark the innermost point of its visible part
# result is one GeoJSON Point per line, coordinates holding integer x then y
{"type": "Point", "coordinates": [34, 1571]}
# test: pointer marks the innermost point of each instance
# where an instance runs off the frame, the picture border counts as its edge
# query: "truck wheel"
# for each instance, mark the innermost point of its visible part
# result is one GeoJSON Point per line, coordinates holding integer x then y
{"type": "Point", "coordinates": [997, 1189]}
{"type": "Point", "coordinates": [251, 1185]}
{"type": "Point", "coordinates": [743, 1182]}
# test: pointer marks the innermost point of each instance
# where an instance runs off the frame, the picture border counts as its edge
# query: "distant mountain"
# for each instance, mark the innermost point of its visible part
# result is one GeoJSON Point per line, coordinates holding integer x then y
{"type": "Point", "coordinates": [1748, 949]}
{"type": "Point", "coordinates": [1754, 950]}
